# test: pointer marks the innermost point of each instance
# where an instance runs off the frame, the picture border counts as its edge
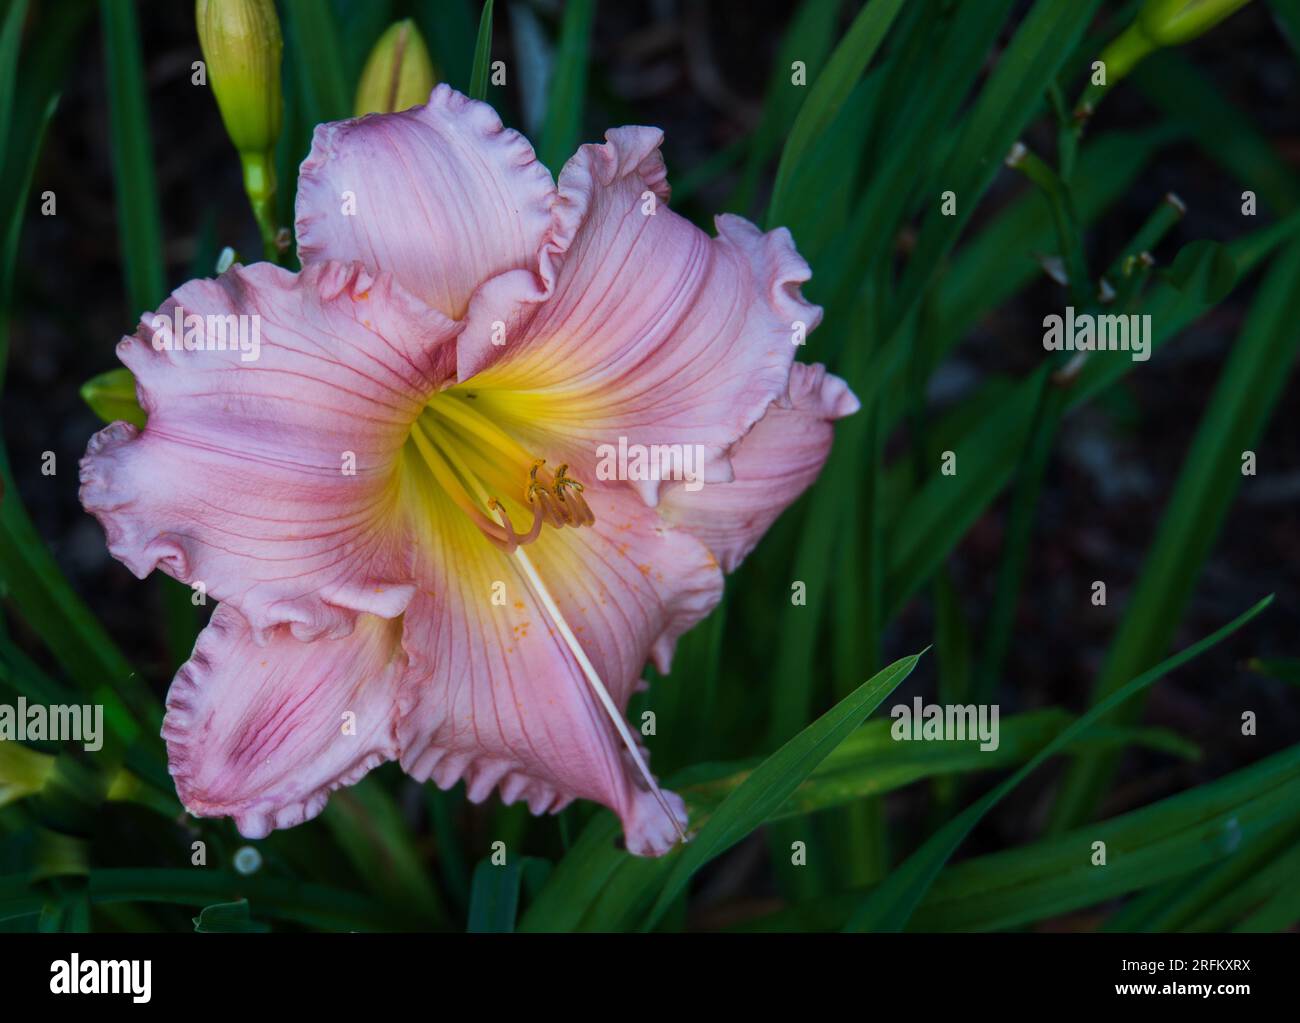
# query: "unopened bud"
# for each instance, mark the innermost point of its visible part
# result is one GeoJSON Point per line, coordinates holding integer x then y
{"type": "Point", "coordinates": [242, 47]}
{"type": "Point", "coordinates": [1163, 23]}
{"type": "Point", "coordinates": [398, 74]}
{"type": "Point", "coordinates": [1174, 22]}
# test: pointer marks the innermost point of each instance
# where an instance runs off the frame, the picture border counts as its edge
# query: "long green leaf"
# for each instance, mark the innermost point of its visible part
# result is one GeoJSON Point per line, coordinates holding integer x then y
{"type": "Point", "coordinates": [563, 124]}
{"type": "Point", "coordinates": [315, 905]}
{"type": "Point", "coordinates": [137, 189]}
{"type": "Point", "coordinates": [807, 40]}
{"type": "Point", "coordinates": [829, 92]}
{"type": "Point", "coordinates": [367, 823]}
{"type": "Point", "coordinates": [494, 897]}
{"type": "Point", "coordinates": [772, 783]}
{"type": "Point", "coordinates": [890, 906]}
{"type": "Point", "coordinates": [596, 887]}
{"type": "Point", "coordinates": [11, 235]}
{"type": "Point", "coordinates": [10, 34]}
{"type": "Point", "coordinates": [478, 81]}
{"type": "Point", "coordinates": [1155, 850]}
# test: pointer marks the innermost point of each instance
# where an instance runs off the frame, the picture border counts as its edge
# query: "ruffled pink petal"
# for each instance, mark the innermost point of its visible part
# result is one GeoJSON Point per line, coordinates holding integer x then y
{"type": "Point", "coordinates": [650, 330]}
{"type": "Point", "coordinates": [775, 462]}
{"type": "Point", "coordinates": [243, 478]}
{"type": "Point", "coordinates": [263, 733]}
{"type": "Point", "coordinates": [498, 698]}
{"type": "Point", "coordinates": [445, 198]}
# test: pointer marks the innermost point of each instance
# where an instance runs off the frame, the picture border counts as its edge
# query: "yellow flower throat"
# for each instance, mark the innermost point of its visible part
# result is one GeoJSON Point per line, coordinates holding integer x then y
{"type": "Point", "coordinates": [487, 473]}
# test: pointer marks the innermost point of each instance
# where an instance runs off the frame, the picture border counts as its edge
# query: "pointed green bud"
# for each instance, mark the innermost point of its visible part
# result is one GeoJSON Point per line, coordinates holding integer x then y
{"type": "Point", "coordinates": [398, 74]}
{"type": "Point", "coordinates": [242, 46]}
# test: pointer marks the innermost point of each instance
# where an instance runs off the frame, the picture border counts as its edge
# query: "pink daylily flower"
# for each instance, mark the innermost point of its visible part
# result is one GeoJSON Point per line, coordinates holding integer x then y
{"type": "Point", "coordinates": [400, 503]}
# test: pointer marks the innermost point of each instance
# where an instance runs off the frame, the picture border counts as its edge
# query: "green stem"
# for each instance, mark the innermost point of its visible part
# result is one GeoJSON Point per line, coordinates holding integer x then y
{"type": "Point", "coordinates": [259, 183]}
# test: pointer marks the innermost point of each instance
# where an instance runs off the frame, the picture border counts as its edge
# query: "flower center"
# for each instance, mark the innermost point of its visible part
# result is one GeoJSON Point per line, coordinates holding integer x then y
{"type": "Point", "coordinates": [489, 475]}
{"type": "Point", "coordinates": [485, 472]}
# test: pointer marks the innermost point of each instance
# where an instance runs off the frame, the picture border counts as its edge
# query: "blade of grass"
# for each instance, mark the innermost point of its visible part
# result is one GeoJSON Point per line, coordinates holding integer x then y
{"type": "Point", "coordinates": [13, 222]}
{"type": "Point", "coordinates": [451, 859]}
{"type": "Point", "coordinates": [832, 87]}
{"type": "Point", "coordinates": [55, 40]}
{"type": "Point", "coordinates": [1049, 406]}
{"type": "Point", "coordinates": [1281, 907]}
{"type": "Point", "coordinates": [137, 190]}
{"type": "Point", "coordinates": [563, 123]}
{"type": "Point", "coordinates": [1028, 65]}
{"type": "Point", "coordinates": [808, 39]}
{"type": "Point", "coordinates": [870, 762]}
{"type": "Point", "coordinates": [953, 62]}
{"type": "Point", "coordinates": [314, 905]}
{"type": "Point", "coordinates": [995, 265]}
{"type": "Point", "coordinates": [1214, 826]}
{"type": "Point", "coordinates": [1285, 669]}
{"type": "Point", "coordinates": [861, 832]}
{"type": "Point", "coordinates": [28, 574]}
{"type": "Point", "coordinates": [1218, 889]}
{"type": "Point", "coordinates": [478, 80]}
{"type": "Point", "coordinates": [494, 897]}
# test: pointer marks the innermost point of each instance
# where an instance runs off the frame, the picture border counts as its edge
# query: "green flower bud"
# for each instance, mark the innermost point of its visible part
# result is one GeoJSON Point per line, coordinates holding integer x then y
{"type": "Point", "coordinates": [398, 74]}
{"type": "Point", "coordinates": [1174, 22]}
{"type": "Point", "coordinates": [1160, 23]}
{"type": "Point", "coordinates": [242, 46]}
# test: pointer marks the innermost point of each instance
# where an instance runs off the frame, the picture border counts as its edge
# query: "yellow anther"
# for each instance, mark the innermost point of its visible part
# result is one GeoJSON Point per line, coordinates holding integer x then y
{"type": "Point", "coordinates": [559, 509]}
{"type": "Point", "coordinates": [534, 485]}
{"type": "Point", "coordinates": [562, 481]}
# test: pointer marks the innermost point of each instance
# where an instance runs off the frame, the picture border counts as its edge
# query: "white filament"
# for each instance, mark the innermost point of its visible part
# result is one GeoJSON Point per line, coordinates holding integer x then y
{"type": "Point", "coordinates": [597, 686]}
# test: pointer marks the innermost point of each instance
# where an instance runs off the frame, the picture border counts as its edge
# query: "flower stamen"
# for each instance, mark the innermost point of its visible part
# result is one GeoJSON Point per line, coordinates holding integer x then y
{"type": "Point", "coordinates": [451, 434]}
